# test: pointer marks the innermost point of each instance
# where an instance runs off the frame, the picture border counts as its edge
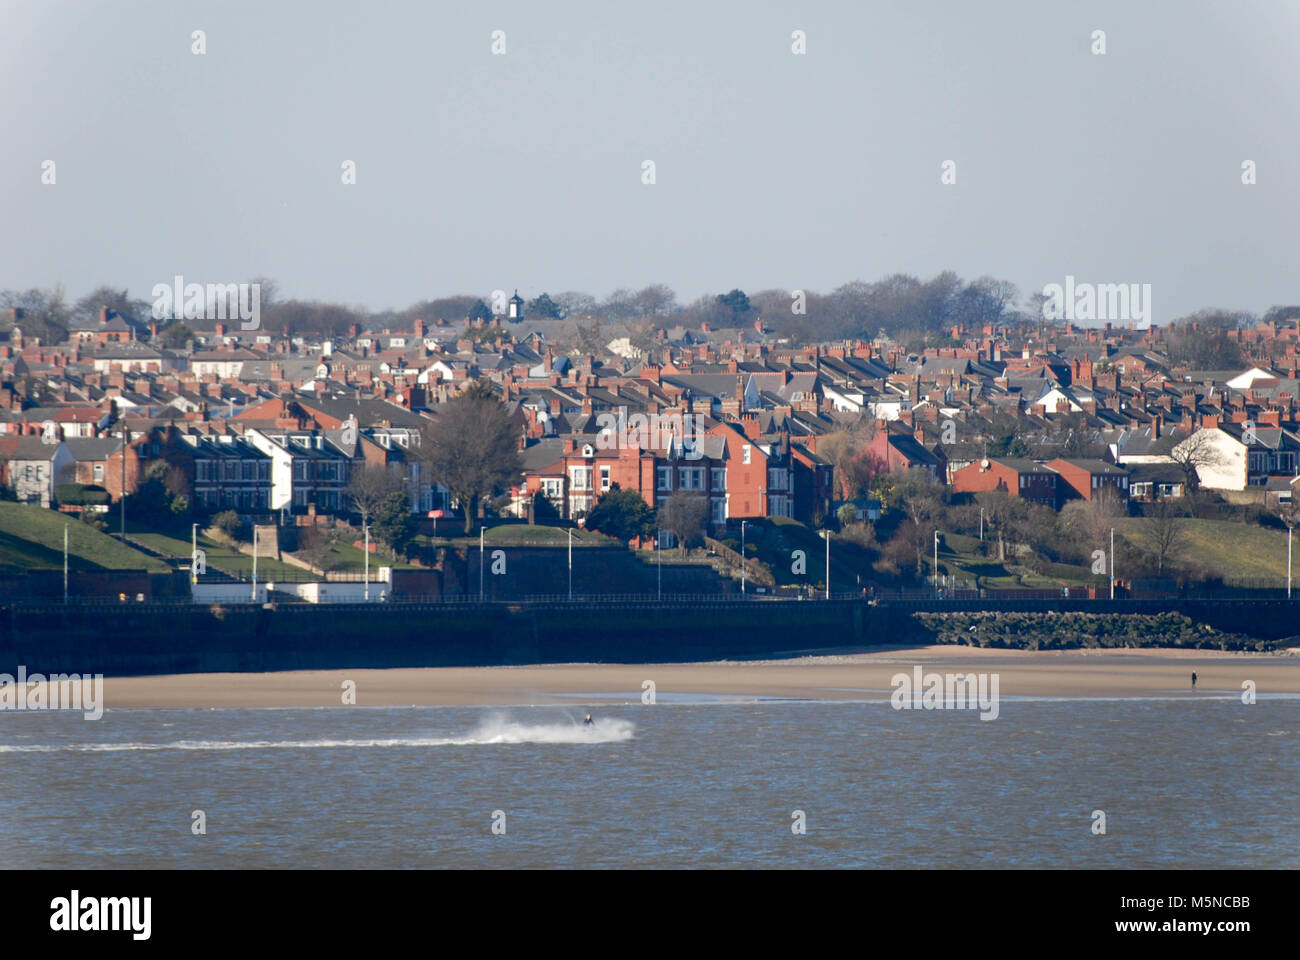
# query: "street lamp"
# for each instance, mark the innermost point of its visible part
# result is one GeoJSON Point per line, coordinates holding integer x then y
{"type": "Point", "coordinates": [659, 563]}
{"type": "Point", "coordinates": [827, 535]}
{"type": "Point", "coordinates": [742, 558]}
{"type": "Point", "coordinates": [1112, 563]}
{"type": "Point", "coordinates": [126, 440]}
{"type": "Point", "coordinates": [936, 564]}
{"type": "Point", "coordinates": [365, 530]}
{"type": "Point", "coordinates": [570, 563]}
{"type": "Point", "coordinates": [254, 597]}
{"type": "Point", "coordinates": [981, 524]}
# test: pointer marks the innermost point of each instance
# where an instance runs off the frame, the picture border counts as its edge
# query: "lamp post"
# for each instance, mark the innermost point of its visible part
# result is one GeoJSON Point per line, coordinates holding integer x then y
{"type": "Point", "coordinates": [981, 524]}
{"type": "Point", "coordinates": [742, 558]}
{"type": "Point", "coordinates": [1112, 563]}
{"type": "Point", "coordinates": [936, 564]}
{"type": "Point", "coordinates": [126, 439]}
{"type": "Point", "coordinates": [570, 563]}
{"type": "Point", "coordinates": [480, 563]}
{"type": "Point", "coordinates": [194, 553]}
{"type": "Point", "coordinates": [827, 535]}
{"type": "Point", "coordinates": [1288, 562]}
{"type": "Point", "coordinates": [659, 563]}
{"type": "Point", "coordinates": [365, 531]}
{"type": "Point", "coordinates": [254, 597]}
{"type": "Point", "coordinates": [65, 563]}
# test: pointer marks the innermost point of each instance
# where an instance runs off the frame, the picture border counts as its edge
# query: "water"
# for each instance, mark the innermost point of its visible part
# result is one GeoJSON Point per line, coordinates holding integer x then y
{"type": "Point", "coordinates": [1204, 782]}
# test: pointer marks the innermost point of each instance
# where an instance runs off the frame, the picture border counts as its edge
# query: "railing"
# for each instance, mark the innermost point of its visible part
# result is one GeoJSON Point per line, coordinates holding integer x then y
{"type": "Point", "coordinates": [909, 599]}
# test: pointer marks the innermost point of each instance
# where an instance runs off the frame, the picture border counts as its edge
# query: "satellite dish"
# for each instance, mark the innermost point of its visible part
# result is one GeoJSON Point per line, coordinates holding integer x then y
{"type": "Point", "coordinates": [984, 464]}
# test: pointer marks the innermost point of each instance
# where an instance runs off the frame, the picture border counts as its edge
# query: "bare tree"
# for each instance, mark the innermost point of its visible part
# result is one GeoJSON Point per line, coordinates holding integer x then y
{"type": "Point", "coordinates": [1165, 531]}
{"type": "Point", "coordinates": [1090, 521]}
{"type": "Point", "coordinates": [368, 487]}
{"type": "Point", "coordinates": [314, 546]}
{"type": "Point", "coordinates": [1195, 453]}
{"type": "Point", "coordinates": [683, 515]}
{"type": "Point", "coordinates": [856, 468]}
{"type": "Point", "coordinates": [472, 449]}
{"type": "Point", "coordinates": [921, 500]}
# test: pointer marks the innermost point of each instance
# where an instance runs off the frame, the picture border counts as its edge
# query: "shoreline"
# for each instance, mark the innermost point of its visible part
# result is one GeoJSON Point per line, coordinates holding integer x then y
{"type": "Point", "coordinates": [824, 676]}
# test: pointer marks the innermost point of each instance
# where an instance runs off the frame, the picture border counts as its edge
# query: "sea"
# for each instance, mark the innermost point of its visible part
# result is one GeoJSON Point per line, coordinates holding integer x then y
{"type": "Point", "coordinates": [1200, 780]}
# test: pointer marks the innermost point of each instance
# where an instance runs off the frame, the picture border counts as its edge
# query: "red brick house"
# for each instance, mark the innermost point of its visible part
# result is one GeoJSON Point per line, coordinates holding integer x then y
{"type": "Point", "coordinates": [1019, 478]}
{"type": "Point", "coordinates": [1085, 479]}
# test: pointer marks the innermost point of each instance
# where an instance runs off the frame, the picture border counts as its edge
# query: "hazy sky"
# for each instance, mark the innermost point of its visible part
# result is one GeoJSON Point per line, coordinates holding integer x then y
{"type": "Point", "coordinates": [478, 171]}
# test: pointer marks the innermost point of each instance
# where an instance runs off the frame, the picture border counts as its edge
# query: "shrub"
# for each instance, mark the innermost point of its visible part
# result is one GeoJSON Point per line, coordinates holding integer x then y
{"type": "Point", "coordinates": [227, 521]}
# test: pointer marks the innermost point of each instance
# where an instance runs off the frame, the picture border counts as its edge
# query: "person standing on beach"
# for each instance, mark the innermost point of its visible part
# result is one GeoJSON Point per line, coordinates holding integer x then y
{"type": "Point", "coordinates": [1193, 679]}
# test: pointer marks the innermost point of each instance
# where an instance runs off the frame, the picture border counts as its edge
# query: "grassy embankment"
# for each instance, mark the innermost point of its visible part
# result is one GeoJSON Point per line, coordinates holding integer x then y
{"type": "Point", "coordinates": [31, 538]}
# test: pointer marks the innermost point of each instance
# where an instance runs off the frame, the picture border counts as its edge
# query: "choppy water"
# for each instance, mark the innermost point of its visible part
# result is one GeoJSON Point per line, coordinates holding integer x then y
{"type": "Point", "coordinates": [1184, 782]}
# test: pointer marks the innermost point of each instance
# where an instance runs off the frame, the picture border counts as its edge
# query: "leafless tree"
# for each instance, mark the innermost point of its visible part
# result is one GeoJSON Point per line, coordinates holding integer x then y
{"type": "Point", "coordinates": [368, 487]}
{"type": "Point", "coordinates": [314, 546]}
{"type": "Point", "coordinates": [1090, 521]}
{"type": "Point", "coordinates": [472, 449]}
{"type": "Point", "coordinates": [684, 515]}
{"type": "Point", "coordinates": [1193, 454]}
{"type": "Point", "coordinates": [1165, 531]}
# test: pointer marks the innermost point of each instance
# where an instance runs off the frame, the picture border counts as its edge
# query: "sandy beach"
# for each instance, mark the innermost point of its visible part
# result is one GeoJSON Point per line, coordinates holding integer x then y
{"type": "Point", "coordinates": [831, 676]}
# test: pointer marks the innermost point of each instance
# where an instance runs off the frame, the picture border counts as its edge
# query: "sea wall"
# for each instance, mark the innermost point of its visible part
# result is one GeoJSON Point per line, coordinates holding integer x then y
{"type": "Point", "coordinates": [152, 638]}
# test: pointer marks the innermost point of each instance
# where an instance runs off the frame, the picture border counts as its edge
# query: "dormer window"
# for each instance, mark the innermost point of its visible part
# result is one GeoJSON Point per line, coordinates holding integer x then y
{"type": "Point", "coordinates": [587, 451]}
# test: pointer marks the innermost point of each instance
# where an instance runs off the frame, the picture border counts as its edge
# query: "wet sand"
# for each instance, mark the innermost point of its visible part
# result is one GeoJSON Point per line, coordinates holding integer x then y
{"type": "Point", "coordinates": [846, 675]}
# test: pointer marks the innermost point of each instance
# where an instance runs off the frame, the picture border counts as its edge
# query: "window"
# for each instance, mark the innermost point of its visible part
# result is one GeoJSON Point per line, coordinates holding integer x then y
{"type": "Point", "coordinates": [580, 478]}
{"type": "Point", "coordinates": [719, 481]}
{"type": "Point", "coordinates": [99, 472]}
{"type": "Point", "coordinates": [719, 505]}
{"type": "Point", "coordinates": [692, 478]}
{"type": "Point", "coordinates": [664, 478]}
{"type": "Point", "coordinates": [551, 489]}
{"type": "Point", "coordinates": [604, 478]}
{"type": "Point", "coordinates": [746, 450]}
{"type": "Point", "coordinates": [1024, 481]}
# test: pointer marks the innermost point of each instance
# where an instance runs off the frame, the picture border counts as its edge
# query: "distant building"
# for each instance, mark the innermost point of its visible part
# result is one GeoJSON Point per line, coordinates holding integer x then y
{"type": "Point", "coordinates": [1026, 479]}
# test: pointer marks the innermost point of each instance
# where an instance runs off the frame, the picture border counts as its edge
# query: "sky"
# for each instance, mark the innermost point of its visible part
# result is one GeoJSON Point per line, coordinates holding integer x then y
{"type": "Point", "coordinates": [478, 170]}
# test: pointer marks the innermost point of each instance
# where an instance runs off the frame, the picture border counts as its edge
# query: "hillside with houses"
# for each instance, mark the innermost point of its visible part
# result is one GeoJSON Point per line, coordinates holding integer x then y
{"type": "Point", "coordinates": [998, 454]}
